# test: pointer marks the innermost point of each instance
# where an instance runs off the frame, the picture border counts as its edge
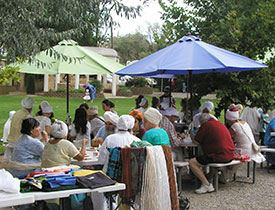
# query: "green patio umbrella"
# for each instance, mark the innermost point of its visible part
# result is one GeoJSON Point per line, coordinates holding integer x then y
{"type": "Point", "coordinates": [73, 59]}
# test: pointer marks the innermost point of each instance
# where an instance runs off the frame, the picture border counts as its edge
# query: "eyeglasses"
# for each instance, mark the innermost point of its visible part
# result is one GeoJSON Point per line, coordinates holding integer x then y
{"type": "Point", "coordinates": [109, 123]}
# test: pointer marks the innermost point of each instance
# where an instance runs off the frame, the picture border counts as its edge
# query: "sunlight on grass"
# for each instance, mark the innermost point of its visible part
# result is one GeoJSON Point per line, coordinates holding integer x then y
{"type": "Point", "coordinates": [122, 106]}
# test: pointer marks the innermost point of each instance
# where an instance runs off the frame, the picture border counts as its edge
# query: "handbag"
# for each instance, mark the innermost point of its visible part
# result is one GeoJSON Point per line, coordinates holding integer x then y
{"type": "Point", "coordinates": [255, 147]}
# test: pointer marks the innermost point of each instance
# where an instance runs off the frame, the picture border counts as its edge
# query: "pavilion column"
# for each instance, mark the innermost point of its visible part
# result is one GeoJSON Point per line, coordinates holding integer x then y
{"type": "Point", "coordinates": [114, 80]}
{"type": "Point", "coordinates": [57, 80]}
{"type": "Point", "coordinates": [76, 82]}
{"type": "Point", "coordinates": [99, 77]}
{"type": "Point", "coordinates": [87, 78]}
{"type": "Point", "coordinates": [46, 82]}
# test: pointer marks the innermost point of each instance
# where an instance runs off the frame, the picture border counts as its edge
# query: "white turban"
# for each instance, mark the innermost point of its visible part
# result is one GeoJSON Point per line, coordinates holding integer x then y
{"type": "Point", "coordinates": [125, 122]}
{"type": "Point", "coordinates": [143, 102]}
{"type": "Point", "coordinates": [111, 117]}
{"type": "Point", "coordinates": [59, 129]}
{"type": "Point", "coordinates": [153, 116]}
{"type": "Point", "coordinates": [47, 109]}
{"type": "Point", "coordinates": [171, 111]}
{"type": "Point", "coordinates": [232, 115]}
{"type": "Point", "coordinates": [44, 104]}
{"type": "Point", "coordinates": [207, 105]}
{"type": "Point", "coordinates": [27, 102]}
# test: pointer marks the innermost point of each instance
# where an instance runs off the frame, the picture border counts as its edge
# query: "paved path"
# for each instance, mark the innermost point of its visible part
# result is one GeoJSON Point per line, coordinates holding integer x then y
{"type": "Point", "coordinates": [158, 94]}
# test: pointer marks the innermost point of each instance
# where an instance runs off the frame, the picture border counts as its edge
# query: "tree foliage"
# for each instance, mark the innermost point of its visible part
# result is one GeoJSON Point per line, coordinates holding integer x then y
{"type": "Point", "coordinates": [8, 73]}
{"type": "Point", "coordinates": [244, 27]}
{"type": "Point", "coordinates": [29, 26]}
{"type": "Point", "coordinates": [132, 47]}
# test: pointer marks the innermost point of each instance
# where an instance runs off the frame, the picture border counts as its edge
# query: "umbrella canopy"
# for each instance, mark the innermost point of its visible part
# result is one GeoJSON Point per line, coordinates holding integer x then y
{"type": "Point", "coordinates": [88, 63]}
{"type": "Point", "coordinates": [73, 59]}
{"type": "Point", "coordinates": [190, 53]}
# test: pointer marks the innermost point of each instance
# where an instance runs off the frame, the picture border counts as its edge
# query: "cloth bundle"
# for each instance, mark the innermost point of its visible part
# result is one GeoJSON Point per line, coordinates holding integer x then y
{"type": "Point", "coordinates": [114, 164]}
{"type": "Point", "coordinates": [133, 160]}
{"type": "Point", "coordinates": [155, 189]}
{"type": "Point", "coordinates": [172, 177]}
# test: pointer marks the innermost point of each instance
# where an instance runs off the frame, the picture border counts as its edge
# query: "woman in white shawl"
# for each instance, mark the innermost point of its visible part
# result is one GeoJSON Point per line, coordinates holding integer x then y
{"type": "Point", "coordinates": [243, 136]}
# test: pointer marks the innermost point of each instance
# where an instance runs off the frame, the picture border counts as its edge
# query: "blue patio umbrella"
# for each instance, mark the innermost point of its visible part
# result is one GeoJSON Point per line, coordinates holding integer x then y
{"type": "Point", "coordinates": [190, 54]}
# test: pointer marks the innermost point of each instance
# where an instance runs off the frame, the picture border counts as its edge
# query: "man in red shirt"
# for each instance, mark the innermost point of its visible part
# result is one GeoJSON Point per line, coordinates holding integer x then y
{"type": "Point", "coordinates": [217, 146]}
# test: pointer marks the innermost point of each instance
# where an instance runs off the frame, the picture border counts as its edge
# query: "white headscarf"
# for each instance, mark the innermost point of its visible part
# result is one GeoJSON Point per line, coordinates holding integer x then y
{"type": "Point", "coordinates": [232, 115]}
{"type": "Point", "coordinates": [27, 102]}
{"type": "Point", "coordinates": [46, 109]}
{"type": "Point", "coordinates": [125, 122]}
{"type": "Point", "coordinates": [153, 116]}
{"type": "Point", "coordinates": [207, 105]}
{"type": "Point", "coordinates": [59, 129]}
{"type": "Point", "coordinates": [111, 117]}
{"type": "Point", "coordinates": [143, 102]}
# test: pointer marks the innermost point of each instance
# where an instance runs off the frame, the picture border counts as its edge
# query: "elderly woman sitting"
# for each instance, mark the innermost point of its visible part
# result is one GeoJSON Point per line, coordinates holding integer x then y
{"type": "Point", "coordinates": [154, 134]}
{"type": "Point", "coordinates": [59, 151]}
{"type": "Point", "coordinates": [243, 136]}
{"type": "Point", "coordinates": [26, 156]}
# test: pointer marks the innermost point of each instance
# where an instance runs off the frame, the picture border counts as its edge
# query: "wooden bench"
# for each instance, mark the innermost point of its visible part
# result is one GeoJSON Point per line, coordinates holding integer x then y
{"type": "Point", "coordinates": [179, 165]}
{"type": "Point", "coordinates": [218, 166]}
{"type": "Point", "coordinates": [267, 151]}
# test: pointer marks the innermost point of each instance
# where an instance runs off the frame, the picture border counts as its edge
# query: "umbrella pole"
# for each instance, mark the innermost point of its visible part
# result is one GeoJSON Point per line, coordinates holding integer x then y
{"type": "Point", "coordinates": [170, 95]}
{"type": "Point", "coordinates": [68, 109]}
{"type": "Point", "coordinates": [191, 91]}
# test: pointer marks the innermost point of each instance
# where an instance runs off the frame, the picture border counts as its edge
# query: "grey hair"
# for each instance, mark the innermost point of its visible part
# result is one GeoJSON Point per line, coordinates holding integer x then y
{"type": "Point", "coordinates": [204, 117]}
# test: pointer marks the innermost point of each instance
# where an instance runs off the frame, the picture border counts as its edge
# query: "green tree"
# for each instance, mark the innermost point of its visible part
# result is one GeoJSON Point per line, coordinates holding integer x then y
{"type": "Point", "coordinates": [244, 27]}
{"type": "Point", "coordinates": [28, 27]}
{"type": "Point", "coordinates": [132, 46]}
{"type": "Point", "coordinates": [8, 73]}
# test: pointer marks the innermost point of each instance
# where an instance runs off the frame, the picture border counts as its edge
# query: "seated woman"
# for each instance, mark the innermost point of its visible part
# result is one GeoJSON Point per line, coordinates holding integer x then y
{"type": "Point", "coordinates": [59, 151]}
{"type": "Point", "coordinates": [80, 129]}
{"type": "Point", "coordinates": [138, 129]}
{"type": "Point", "coordinates": [27, 153]}
{"type": "Point", "coordinates": [269, 141]}
{"type": "Point", "coordinates": [154, 134]}
{"type": "Point", "coordinates": [44, 119]}
{"type": "Point", "coordinates": [108, 105]}
{"type": "Point", "coordinates": [243, 136]}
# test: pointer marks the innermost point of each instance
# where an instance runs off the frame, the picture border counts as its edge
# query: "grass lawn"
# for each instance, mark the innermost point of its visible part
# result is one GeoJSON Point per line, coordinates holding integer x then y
{"type": "Point", "coordinates": [13, 102]}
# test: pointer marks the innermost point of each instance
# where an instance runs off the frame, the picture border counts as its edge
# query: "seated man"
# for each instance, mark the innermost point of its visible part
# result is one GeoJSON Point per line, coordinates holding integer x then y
{"type": "Point", "coordinates": [96, 122]}
{"type": "Point", "coordinates": [206, 107]}
{"type": "Point", "coordinates": [217, 146]}
{"type": "Point", "coordinates": [122, 138]}
{"type": "Point", "coordinates": [109, 128]}
{"type": "Point", "coordinates": [169, 117]}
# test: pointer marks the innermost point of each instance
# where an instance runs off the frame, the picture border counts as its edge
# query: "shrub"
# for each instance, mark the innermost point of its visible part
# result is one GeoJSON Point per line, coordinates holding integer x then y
{"type": "Point", "coordinates": [123, 89]}
{"type": "Point", "coordinates": [60, 90]}
{"type": "Point", "coordinates": [136, 82]}
{"type": "Point", "coordinates": [77, 91]}
{"type": "Point", "coordinates": [97, 84]}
